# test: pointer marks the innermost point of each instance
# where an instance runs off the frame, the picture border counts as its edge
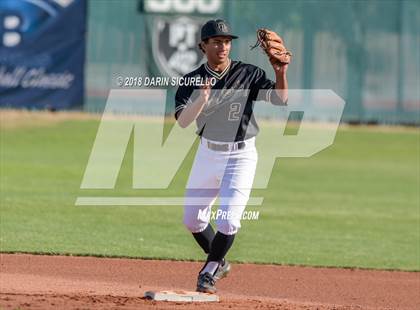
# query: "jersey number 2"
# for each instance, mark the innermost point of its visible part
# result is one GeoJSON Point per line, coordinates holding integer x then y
{"type": "Point", "coordinates": [234, 111]}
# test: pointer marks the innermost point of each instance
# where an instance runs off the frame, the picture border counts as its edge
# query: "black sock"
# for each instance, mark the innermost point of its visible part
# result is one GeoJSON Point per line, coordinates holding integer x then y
{"type": "Point", "coordinates": [205, 238]}
{"type": "Point", "coordinates": [220, 246]}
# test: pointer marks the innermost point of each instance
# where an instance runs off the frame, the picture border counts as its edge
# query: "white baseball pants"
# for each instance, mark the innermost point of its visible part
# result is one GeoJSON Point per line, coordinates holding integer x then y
{"type": "Point", "coordinates": [225, 174]}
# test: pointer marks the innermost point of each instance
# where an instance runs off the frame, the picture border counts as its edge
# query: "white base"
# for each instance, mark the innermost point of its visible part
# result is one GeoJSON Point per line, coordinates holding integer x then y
{"type": "Point", "coordinates": [185, 296]}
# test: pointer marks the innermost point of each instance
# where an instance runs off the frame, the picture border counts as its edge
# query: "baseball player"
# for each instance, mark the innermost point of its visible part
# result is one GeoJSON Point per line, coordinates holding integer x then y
{"type": "Point", "coordinates": [226, 159]}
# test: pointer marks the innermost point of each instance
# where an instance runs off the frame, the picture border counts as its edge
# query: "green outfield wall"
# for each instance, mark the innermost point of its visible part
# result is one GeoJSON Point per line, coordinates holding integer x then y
{"type": "Point", "coordinates": [365, 51]}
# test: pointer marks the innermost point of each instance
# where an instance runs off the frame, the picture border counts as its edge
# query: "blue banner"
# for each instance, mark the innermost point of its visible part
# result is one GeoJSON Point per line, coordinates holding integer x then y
{"type": "Point", "coordinates": [42, 52]}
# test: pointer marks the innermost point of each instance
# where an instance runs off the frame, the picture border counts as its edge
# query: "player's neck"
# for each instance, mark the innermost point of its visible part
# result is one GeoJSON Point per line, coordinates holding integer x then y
{"type": "Point", "coordinates": [219, 67]}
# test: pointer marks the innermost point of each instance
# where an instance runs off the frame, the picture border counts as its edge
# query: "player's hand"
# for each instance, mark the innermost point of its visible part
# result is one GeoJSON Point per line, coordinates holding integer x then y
{"type": "Point", "coordinates": [280, 68]}
{"type": "Point", "coordinates": [205, 91]}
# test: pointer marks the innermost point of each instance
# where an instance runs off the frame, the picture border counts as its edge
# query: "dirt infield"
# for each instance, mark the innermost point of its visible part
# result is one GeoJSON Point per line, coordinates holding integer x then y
{"type": "Point", "coordinates": [65, 282]}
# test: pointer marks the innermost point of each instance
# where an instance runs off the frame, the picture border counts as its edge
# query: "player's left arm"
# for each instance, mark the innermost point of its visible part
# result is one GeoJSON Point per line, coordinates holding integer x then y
{"type": "Point", "coordinates": [281, 86]}
{"type": "Point", "coordinates": [269, 91]}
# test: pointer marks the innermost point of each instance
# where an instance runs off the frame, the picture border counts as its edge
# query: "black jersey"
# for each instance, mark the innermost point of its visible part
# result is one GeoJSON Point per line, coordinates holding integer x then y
{"type": "Point", "coordinates": [228, 115]}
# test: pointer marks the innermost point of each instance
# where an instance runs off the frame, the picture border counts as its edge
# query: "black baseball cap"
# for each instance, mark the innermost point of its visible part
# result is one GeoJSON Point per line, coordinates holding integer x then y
{"type": "Point", "coordinates": [216, 28]}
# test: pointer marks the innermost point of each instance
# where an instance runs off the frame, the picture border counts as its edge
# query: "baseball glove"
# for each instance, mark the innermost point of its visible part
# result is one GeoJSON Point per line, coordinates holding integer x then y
{"type": "Point", "coordinates": [273, 46]}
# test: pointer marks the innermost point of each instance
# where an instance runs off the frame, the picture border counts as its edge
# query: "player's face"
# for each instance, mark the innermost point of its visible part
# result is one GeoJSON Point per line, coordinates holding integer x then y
{"type": "Point", "coordinates": [218, 49]}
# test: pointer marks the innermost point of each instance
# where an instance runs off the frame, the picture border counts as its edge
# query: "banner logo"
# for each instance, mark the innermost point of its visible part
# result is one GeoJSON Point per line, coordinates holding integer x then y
{"type": "Point", "coordinates": [22, 19]}
{"type": "Point", "coordinates": [175, 45]}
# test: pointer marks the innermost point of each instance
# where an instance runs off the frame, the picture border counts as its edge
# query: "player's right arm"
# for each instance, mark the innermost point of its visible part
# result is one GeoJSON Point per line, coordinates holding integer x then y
{"type": "Point", "coordinates": [187, 113]}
